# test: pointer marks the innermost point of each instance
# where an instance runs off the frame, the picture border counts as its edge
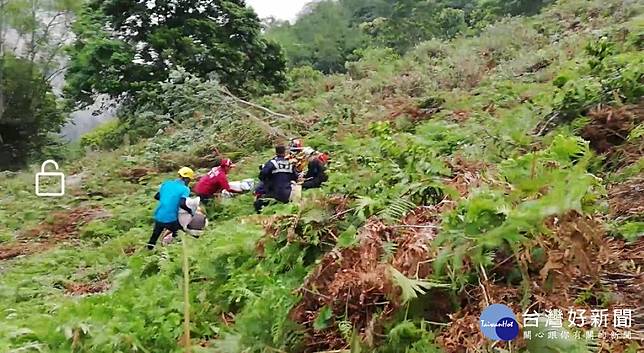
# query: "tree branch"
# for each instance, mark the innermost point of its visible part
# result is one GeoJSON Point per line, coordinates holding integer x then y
{"type": "Point", "coordinates": [54, 73]}
{"type": "Point", "coordinates": [227, 92]}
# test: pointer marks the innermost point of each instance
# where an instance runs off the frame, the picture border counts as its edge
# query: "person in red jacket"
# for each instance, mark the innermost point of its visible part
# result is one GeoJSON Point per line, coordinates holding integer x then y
{"type": "Point", "coordinates": [215, 181]}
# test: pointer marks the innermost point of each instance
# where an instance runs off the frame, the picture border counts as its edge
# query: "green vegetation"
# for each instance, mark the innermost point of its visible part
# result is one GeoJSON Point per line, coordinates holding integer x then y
{"type": "Point", "coordinates": [32, 114]}
{"type": "Point", "coordinates": [501, 166]}
{"type": "Point", "coordinates": [123, 47]}
{"type": "Point", "coordinates": [332, 32]}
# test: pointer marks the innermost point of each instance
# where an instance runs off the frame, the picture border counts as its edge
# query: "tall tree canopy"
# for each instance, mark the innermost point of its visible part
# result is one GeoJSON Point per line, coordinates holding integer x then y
{"type": "Point", "coordinates": [32, 35]}
{"type": "Point", "coordinates": [328, 31]}
{"type": "Point", "coordinates": [124, 45]}
{"type": "Point", "coordinates": [323, 37]}
{"type": "Point", "coordinates": [31, 113]}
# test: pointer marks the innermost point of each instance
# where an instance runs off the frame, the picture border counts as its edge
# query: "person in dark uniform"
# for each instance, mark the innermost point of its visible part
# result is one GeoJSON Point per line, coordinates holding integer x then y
{"type": "Point", "coordinates": [316, 172]}
{"type": "Point", "coordinates": [276, 176]}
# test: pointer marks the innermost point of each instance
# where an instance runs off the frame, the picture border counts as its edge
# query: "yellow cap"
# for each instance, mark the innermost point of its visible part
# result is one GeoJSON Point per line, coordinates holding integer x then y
{"type": "Point", "coordinates": [186, 172]}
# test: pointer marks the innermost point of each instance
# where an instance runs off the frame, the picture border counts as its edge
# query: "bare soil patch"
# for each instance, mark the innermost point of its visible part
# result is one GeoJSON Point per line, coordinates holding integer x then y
{"type": "Point", "coordinates": [62, 229]}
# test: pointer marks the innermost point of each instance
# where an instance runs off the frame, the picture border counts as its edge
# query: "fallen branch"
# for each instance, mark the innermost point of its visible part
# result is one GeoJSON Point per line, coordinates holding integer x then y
{"type": "Point", "coordinates": [227, 92]}
{"type": "Point", "coordinates": [545, 126]}
{"type": "Point", "coordinates": [272, 131]}
{"type": "Point", "coordinates": [314, 293]}
{"type": "Point", "coordinates": [413, 226]}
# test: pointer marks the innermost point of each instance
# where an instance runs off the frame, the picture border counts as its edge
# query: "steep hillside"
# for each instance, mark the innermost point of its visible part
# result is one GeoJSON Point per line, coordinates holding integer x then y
{"type": "Point", "coordinates": [503, 168]}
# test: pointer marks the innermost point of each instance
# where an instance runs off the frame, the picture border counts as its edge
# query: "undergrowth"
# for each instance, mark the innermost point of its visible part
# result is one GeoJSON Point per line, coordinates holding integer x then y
{"type": "Point", "coordinates": [460, 151]}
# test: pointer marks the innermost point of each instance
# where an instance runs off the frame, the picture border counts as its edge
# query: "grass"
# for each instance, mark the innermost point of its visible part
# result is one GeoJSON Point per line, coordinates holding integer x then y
{"type": "Point", "coordinates": [243, 276]}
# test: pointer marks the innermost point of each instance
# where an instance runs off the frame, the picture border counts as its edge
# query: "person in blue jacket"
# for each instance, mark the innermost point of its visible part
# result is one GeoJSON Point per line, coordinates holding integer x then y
{"type": "Point", "coordinates": [171, 196]}
{"type": "Point", "coordinates": [276, 176]}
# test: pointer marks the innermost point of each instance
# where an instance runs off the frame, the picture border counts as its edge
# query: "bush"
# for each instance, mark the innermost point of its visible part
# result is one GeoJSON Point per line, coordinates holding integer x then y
{"type": "Point", "coordinates": [108, 136]}
{"type": "Point", "coordinates": [305, 81]}
{"type": "Point", "coordinates": [29, 113]}
{"type": "Point", "coordinates": [430, 50]}
{"type": "Point", "coordinates": [372, 60]}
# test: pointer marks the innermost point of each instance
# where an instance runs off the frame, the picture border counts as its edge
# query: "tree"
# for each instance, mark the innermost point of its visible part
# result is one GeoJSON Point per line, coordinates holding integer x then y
{"type": "Point", "coordinates": [327, 32]}
{"type": "Point", "coordinates": [410, 22]}
{"type": "Point", "coordinates": [32, 34]}
{"type": "Point", "coordinates": [30, 114]}
{"type": "Point", "coordinates": [513, 7]}
{"type": "Point", "coordinates": [451, 22]}
{"type": "Point", "coordinates": [143, 41]}
{"type": "Point", "coordinates": [40, 28]}
{"type": "Point", "coordinates": [323, 37]}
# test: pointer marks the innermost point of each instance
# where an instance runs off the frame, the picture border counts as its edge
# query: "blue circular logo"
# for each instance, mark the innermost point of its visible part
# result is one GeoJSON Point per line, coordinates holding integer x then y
{"type": "Point", "coordinates": [498, 322]}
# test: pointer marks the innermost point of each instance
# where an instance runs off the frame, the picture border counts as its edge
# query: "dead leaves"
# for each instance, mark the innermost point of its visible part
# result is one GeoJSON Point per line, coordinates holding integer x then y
{"type": "Point", "coordinates": [626, 200]}
{"type": "Point", "coordinates": [610, 126]}
{"type": "Point", "coordinates": [608, 132]}
{"type": "Point", "coordinates": [575, 238]}
{"type": "Point", "coordinates": [63, 227]}
{"type": "Point", "coordinates": [356, 282]}
{"type": "Point", "coordinates": [136, 175]}
{"type": "Point", "coordinates": [97, 286]}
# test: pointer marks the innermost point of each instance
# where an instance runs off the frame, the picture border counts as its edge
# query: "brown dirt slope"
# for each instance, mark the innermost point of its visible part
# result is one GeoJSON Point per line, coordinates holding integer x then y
{"type": "Point", "coordinates": [62, 229]}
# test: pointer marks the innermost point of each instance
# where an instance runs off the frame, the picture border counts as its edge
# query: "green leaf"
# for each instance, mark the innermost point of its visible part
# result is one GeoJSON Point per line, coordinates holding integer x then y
{"type": "Point", "coordinates": [412, 287]}
{"type": "Point", "coordinates": [322, 321]}
{"type": "Point", "coordinates": [317, 215]}
{"type": "Point", "coordinates": [348, 238]}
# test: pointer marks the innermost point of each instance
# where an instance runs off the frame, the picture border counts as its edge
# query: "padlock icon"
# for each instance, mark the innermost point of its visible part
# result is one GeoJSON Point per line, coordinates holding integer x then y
{"type": "Point", "coordinates": [43, 173]}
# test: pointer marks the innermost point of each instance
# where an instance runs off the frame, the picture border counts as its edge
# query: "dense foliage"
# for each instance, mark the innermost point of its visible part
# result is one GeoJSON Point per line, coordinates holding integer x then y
{"type": "Point", "coordinates": [31, 42]}
{"type": "Point", "coordinates": [122, 47]}
{"type": "Point", "coordinates": [30, 112]}
{"type": "Point", "coordinates": [502, 168]}
{"type": "Point", "coordinates": [328, 32]}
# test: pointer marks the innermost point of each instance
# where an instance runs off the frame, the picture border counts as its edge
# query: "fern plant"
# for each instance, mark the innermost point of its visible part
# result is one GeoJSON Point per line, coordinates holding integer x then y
{"type": "Point", "coordinates": [410, 288]}
{"type": "Point", "coordinates": [396, 210]}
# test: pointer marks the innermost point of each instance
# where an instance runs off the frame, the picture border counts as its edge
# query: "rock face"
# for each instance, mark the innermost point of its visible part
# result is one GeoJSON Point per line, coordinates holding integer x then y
{"type": "Point", "coordinates": [82, 121]}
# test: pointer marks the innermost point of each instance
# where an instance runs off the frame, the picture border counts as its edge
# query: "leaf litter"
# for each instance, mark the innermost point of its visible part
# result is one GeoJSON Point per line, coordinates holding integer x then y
{"type": "Point", "coordinates": [96, 285]}
{"type": "Point", "coordinates": [608, 133]}
{"type": "Point", "coordinates": [583, 269]}
{"type": "Point", "coordinates": [63, 228]}
{"type": "Point", "coordinates": [359, 284]}
{"type": "Point", "coordinates": [626, 199]}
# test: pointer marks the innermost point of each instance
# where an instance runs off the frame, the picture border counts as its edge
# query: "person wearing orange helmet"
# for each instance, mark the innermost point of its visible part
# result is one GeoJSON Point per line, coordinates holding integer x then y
{"type": "Point", "coordinates": [215, 181]}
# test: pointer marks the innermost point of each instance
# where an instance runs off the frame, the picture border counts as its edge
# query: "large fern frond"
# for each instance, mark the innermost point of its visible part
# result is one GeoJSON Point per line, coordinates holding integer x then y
{"type": "Point", "coordinates": [396, 210]}
{"type": "Point", "coordinates": [412, 287]}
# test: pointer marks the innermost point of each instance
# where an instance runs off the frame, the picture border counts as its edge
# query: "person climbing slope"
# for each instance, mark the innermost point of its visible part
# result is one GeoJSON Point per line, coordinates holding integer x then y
{"type": "Point", "coordinates": [215, 181]}
{"type": "Point", "coordinates": [172, 196]}
{"type": "Point", "coordinates": [276, 176]}
{"type": "Point", "coordinates": [316, 172]}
